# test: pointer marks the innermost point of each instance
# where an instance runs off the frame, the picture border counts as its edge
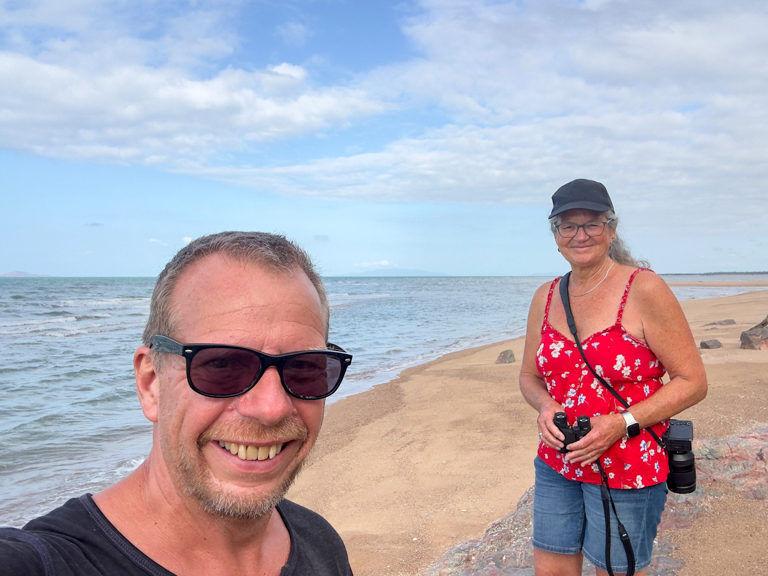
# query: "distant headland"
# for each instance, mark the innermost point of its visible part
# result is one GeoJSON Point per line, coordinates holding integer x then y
{"type": "Point", "coordinates": [20, 274]}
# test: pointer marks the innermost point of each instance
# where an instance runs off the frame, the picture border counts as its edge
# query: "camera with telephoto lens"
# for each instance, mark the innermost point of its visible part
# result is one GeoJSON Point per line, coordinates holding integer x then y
{"type": "Point", "coordinates": [572, 433]}
{"type": "Point", "coordinates": [682, 465]}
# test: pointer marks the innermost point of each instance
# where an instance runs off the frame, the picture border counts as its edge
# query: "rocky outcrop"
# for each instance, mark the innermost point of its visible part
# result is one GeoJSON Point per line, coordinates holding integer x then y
{"type": "Point", "coordinates": [710, 344]}
{"type": "Point", "coordinates": [504, 549]}
{"type": "Point", "coordinates": [756, 338]}
{"type": "Point", "coordinates": [739, 462]}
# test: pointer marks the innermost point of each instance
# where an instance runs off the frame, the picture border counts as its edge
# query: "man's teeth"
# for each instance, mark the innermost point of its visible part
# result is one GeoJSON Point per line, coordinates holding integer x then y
{"type": "Point", "coordinates": [247, 452]}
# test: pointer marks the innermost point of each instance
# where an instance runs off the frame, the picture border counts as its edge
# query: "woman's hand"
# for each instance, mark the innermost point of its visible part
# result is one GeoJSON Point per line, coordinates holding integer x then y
{"type": "Point", "coordinates": [548, 432]}
{"type": "Point", "coordinates": [606, 431]}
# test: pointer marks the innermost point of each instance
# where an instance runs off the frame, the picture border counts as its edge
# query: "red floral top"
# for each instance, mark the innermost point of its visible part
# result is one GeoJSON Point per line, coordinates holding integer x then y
{"type": "Point", "coordinates": [627, 364]}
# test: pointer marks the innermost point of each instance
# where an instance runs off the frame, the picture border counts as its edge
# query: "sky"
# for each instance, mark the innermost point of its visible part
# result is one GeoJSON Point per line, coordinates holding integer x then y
{"type": "Point", "coordinates": [413, 137]}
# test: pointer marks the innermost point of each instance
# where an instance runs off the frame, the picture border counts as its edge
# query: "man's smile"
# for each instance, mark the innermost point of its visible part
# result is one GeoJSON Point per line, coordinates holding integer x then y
{"type": "Point", "coordinates": [250, 452]}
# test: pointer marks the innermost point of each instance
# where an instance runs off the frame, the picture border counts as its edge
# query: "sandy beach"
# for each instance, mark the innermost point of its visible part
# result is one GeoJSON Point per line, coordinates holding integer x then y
{"type": "Point", "coordinates": [413, 467]}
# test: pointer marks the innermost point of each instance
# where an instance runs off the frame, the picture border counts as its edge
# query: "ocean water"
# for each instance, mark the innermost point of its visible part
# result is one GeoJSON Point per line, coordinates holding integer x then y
{"type": "Point", "coordinates": [69, 418]}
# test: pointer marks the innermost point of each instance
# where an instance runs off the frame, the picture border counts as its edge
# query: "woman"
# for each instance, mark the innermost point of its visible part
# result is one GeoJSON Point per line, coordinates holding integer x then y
{"type": "Point", "coordinates": [632, 330]}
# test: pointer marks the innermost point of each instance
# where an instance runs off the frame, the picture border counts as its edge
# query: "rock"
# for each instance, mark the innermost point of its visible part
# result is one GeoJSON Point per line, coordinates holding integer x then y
{"type": "Point", "coordinates": [505, 549]}
{"type": "Point", "coordinates": [739, 461]}
{"type": "Point", "coordinates": [506, 357]}
{"type": "Point", "coordinates": [710, 344]}
{"type": "Point", "coordinates": [728, 322]}
{"type": "Point", "coordinates": [756, 338]}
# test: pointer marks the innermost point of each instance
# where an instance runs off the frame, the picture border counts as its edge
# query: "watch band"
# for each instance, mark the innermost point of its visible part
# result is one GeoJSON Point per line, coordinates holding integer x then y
{"type": "Point", "coordinates": [633, 428]}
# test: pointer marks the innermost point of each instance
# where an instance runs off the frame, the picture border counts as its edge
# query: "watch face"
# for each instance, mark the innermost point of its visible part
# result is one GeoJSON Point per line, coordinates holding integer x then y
{"type": "Point", "coordinates": [633, 428]}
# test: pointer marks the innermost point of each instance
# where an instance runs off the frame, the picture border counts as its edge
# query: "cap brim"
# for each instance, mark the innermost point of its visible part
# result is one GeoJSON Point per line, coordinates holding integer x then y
{"type": "Point", "coordinates": [580, 205]}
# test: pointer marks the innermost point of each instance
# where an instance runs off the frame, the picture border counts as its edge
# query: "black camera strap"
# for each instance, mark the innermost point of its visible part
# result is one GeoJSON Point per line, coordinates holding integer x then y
{"type": "Point", "coordinates": [605, 491]}
{"type": "Point", "coordinates": [605, 494]}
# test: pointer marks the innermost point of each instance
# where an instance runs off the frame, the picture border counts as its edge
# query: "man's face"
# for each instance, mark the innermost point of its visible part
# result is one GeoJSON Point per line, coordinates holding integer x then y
{"type": "Point", "coordinates": [237, 456]}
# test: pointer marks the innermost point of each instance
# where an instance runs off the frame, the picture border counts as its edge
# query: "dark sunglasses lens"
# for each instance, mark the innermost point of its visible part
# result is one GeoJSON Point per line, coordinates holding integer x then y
{"type": "Point", "coordinates": [311, 375]}
{"type": "Point", "coordinates": [224, 371]}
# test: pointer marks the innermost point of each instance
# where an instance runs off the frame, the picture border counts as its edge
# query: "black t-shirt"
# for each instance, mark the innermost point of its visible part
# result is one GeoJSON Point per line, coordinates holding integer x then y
{"type": "Point", "coordinates": [78, 540]}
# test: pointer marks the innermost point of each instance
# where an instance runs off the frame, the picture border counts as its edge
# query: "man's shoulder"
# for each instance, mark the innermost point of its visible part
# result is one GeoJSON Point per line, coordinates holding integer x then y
{"type": "Point", "coordinates": [302, 521]}
{"type": "Point", "coordinates": [44, 541]}
{"type": "Point", "coordinates": [73, 514]}
{"type": "Point", "coordinates": [72, 540]}
{"type": "Point", "coordinates": [316, 547]}
{"type": "Point", "coordinates": [20, 553]}
{"type": "Point", "coordinates": [299, 513]}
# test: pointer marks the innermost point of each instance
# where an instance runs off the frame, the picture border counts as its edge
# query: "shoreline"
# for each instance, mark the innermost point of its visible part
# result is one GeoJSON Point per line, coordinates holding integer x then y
{"type": "Point", "coordinates": [716, 283]}
{"type": "Point", "coordinates": [408, 469]}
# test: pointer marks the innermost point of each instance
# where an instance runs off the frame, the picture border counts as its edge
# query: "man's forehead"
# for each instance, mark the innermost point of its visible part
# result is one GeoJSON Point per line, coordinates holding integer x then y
{"type": "Point", "coordinates": [218, 286]}
{"type": "Point", "coordinates": [219, 268]}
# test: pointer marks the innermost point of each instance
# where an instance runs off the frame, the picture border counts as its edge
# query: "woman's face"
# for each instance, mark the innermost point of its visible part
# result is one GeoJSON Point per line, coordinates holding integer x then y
{"type": "Point", "coordinates": [583, 237]}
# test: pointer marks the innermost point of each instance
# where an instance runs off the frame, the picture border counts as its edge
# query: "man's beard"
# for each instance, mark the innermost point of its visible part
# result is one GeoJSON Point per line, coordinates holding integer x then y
{"type": "Point", "coordinates": [215, 499]}
{"type": "Point", "coordinates": [236, 507]}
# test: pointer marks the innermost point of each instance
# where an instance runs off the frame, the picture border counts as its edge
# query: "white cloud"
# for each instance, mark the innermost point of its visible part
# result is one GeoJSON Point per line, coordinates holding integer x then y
{"type": "Point", "coordinates": [656, 98]}
{"type": "Point", "coordinates": [290, 71]}
{"type": "Point", "coordinates": [146, 115]}
{"type": "Point", "coordinates": [112, 83]}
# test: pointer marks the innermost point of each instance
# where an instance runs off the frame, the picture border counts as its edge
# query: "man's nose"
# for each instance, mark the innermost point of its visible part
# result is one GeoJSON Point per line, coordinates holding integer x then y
{"type": "Point", "coordinates": [267, 401]}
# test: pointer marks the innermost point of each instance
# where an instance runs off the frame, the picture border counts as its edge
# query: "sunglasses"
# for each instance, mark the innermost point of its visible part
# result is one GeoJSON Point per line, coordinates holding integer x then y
{"type": "Point", "coordinates": [221, 371]}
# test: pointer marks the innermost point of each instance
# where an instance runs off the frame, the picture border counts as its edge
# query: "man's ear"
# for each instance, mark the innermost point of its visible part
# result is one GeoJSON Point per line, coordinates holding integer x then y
{"type": "Point", "coordinates": [146, 382]}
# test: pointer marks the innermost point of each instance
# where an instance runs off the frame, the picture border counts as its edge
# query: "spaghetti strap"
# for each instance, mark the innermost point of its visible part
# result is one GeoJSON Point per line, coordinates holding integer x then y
{"type": "Point", "coordinates": [626, 293]}
{"type": "Point", "coordinates": [549, 302]}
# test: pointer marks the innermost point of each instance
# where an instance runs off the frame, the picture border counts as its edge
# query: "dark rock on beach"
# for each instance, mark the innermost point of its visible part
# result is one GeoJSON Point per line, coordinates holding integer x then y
{"type": "Point", "coordinates": [506, 357]}
{"type": "Point", "coordinates": [756, 338]}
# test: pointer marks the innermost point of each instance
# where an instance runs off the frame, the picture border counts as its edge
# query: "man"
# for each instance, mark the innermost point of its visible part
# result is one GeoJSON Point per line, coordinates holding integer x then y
{"type": "Point", "coordinates": [233, 374]}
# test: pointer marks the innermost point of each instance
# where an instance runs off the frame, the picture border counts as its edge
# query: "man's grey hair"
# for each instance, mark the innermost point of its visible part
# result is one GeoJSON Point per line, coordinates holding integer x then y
{"type": "Point", "coordinates": [618, 252]}
{"type": "Point", "coordinates": [272, 251]}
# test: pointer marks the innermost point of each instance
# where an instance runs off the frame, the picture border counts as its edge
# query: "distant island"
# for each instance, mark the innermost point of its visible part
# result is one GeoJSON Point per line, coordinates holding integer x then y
{"type": "Point", "coordinates": [20, 274]}
{"type": "Point", "coordinates": [391, 272]}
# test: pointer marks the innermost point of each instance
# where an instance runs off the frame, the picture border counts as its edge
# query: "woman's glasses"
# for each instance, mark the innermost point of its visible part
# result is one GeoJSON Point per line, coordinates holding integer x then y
{"type": "Point", "coordinates": [591, 229]}
{"type": "Point", "coordinates": [220, 371]}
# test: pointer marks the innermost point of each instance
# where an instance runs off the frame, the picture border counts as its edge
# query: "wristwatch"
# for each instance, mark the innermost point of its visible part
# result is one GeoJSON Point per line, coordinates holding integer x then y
{"type": "Point", "coordinates": [633, 428]}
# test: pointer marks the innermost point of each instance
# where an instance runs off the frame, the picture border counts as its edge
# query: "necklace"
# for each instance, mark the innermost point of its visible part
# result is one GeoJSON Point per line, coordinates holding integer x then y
{"type": "Point", "coordinates": [598, 284]}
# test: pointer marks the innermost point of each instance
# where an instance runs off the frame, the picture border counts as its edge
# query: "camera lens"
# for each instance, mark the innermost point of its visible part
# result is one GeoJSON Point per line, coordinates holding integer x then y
{"type": "Point", "coordinates": [682, 473]}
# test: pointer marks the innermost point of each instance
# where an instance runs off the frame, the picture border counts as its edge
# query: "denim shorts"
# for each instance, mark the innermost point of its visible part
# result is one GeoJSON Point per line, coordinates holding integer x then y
{"type": "Point", "coordinates": [568, 518]}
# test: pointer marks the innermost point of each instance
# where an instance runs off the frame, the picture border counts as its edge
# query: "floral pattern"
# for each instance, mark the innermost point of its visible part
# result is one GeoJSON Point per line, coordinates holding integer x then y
{"type": "Point", "coordinates": [633, 370]}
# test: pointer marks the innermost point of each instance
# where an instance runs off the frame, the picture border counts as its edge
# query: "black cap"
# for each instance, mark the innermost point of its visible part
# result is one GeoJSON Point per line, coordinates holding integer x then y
{"type": "Point", "coordinates": [583, 194]}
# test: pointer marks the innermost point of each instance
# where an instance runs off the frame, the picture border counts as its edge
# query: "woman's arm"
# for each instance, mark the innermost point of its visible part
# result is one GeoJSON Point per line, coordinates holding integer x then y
{"type": "Point", "coordinates": [532, 385]}
{"type": "Point", "coordinates": [668, 335]}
